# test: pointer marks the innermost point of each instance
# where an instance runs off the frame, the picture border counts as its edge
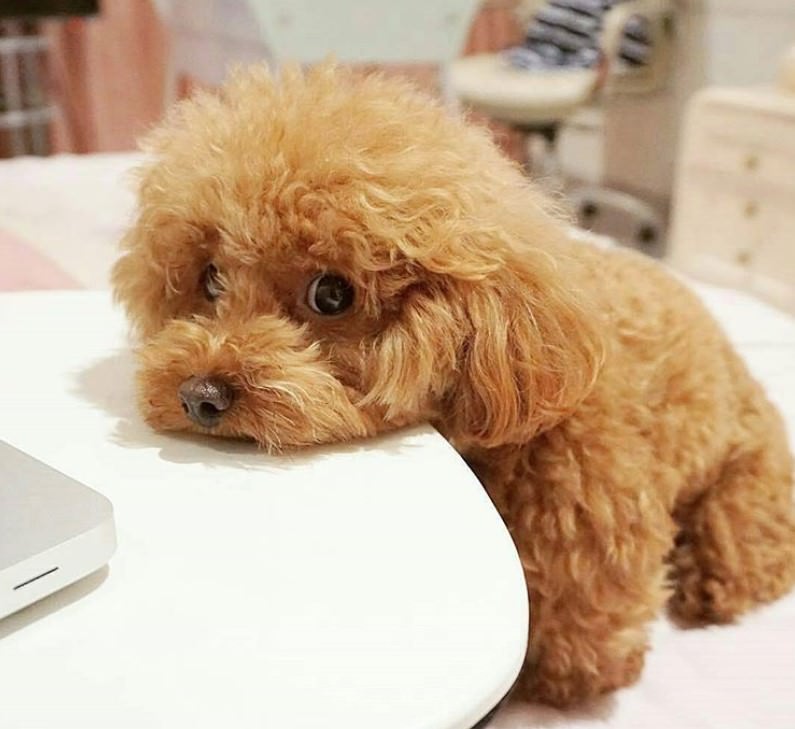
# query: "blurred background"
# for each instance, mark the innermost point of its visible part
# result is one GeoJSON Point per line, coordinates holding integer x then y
{"type": "Point", "coordinates": [629, 108]}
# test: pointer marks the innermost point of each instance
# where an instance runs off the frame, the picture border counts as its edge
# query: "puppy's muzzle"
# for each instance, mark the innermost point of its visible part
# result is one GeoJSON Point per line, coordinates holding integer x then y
{"type": "Point", "coordinates": [205, 399]}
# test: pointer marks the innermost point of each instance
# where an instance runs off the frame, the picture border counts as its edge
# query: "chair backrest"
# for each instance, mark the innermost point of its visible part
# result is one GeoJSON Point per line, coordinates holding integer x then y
{"type": "Point", "coordinates": [365, 31]}
{"type": "Point", "coordinates": [659, 16]}
{"type": "Point", "coordinates": [525, 10]}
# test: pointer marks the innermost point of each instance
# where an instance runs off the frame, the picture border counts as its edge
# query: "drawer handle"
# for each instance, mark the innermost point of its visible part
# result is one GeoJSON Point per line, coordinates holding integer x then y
{"type": "Point", "coordinates": [751, 162]}
{"type": "Point", "coordinates": [751, 209]}
{"type": "Point", "coordinates": [743, 258]}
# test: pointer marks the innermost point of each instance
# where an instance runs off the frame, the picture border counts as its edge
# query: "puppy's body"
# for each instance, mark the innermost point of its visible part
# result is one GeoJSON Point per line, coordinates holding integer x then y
{"type": "Point", "coordinates": [618, 433]}
{"type": "Point", "coordinates": [672, 479]}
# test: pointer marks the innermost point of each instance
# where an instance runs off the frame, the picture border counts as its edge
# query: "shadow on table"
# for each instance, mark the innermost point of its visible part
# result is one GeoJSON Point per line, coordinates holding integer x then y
{"type": "Point", "coordinates": [108, 384]}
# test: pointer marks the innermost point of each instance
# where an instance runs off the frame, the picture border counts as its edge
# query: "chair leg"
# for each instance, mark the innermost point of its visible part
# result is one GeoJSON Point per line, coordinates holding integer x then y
{"type": "Point", "coordinates": [542, 162]}
{"type": "Point", "coordinates": [447, 91]}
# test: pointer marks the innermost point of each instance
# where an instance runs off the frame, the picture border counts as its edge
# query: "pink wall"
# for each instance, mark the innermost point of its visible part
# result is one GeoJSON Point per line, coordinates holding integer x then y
{"type": "Point", "coordinates": [107, 76]}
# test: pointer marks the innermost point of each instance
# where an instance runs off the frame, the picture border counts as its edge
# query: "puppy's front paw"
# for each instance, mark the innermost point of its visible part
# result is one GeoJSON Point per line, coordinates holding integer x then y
{"type": "Point", "coordinates": [567, 688]}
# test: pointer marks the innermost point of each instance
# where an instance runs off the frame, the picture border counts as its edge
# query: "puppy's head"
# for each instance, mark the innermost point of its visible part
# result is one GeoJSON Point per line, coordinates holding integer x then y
{"type": "Point", "coordinates": [321, 257]}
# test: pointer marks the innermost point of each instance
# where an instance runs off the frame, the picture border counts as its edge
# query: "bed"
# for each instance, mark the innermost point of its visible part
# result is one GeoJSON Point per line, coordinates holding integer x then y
{"type": "Point", "coordinates": [60, 219]}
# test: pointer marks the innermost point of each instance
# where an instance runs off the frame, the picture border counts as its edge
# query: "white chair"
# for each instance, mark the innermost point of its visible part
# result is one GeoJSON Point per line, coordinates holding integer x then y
{"type": "Point", "coordinates": [538, 103]}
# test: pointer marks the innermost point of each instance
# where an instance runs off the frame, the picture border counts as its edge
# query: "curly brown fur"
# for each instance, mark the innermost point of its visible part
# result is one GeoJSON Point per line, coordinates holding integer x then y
{"type": "Point", "coordinates": [614, 427]}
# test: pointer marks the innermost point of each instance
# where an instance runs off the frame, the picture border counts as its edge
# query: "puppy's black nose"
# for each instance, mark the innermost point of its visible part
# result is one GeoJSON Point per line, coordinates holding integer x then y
{"type": "Point", "coordinates": [205, 399]}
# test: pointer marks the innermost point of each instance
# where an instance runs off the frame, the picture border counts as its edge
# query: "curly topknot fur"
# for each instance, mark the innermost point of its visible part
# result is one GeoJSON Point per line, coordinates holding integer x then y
{"type": "Point", "coordinates": [614, 427]}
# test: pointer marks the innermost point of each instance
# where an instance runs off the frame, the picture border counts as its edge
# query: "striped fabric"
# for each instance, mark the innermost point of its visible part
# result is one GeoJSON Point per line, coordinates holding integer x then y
{"type": "Point", "coordinates": [565, 33]}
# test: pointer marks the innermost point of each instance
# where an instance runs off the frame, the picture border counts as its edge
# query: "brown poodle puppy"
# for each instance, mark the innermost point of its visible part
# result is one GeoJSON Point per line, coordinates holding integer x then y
{"type": "Point", "coordinates": [323, 257]}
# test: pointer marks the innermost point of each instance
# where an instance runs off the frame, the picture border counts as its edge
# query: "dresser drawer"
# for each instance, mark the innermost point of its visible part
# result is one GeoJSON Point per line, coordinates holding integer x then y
{"type": "Point", "coordinates": [754, 144]}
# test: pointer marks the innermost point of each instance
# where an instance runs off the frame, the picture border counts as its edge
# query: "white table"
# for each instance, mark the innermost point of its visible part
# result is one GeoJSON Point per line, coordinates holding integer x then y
{"type": "Point", "coordinates": [370, 585]}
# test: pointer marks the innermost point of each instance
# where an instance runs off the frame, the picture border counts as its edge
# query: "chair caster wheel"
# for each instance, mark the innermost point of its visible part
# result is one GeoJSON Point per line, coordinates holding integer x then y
{"type": "Point", "coordinates": [647, 235]}
{"type": "Point", "coordinates": [588, 210]}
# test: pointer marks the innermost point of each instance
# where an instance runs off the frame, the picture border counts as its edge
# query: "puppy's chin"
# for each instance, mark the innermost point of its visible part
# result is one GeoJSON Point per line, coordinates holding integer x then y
{"type": "Point", "coordinates": [283, 393]}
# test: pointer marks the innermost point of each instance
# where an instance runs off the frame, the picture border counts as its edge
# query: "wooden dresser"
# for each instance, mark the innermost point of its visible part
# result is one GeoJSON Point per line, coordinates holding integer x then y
{"type": "Point", "coordinates": [734, 201]}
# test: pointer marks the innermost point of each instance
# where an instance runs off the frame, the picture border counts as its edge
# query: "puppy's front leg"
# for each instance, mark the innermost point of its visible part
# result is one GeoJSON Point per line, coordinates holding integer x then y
{"type": "Point", "coordinates": [582, 646]}
{"type": "Point", "coordinates": [592, 531]}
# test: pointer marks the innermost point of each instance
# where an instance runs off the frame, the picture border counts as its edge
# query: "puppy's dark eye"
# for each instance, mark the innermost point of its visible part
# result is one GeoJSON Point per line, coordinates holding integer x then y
{"type": "Point", "coordinates": [210, 283]}
{"type": "Point", "coordinates": [329, 294]}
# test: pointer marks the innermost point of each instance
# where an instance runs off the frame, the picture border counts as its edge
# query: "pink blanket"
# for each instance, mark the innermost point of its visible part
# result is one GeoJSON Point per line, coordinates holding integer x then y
{"type": "Point", "coordinates": [23, 268]}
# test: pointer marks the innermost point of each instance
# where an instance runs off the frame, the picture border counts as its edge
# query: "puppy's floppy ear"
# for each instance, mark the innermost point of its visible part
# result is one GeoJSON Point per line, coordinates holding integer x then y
{"type": "Point", "coordinates": [156, 278]}
{"type": "Point", "coordinates": [137, 285]}
{"type": "Point", "coordinates": [532, 353]}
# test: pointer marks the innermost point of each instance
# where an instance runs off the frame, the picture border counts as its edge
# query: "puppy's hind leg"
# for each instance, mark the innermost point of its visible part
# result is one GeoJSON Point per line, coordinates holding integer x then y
{"type": "Point", "coordinates": [736, 547]}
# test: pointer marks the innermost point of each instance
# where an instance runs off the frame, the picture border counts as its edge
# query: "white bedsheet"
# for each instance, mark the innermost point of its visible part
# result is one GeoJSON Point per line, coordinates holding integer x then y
{"type": "Point", "coordinates": [73, 210]}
